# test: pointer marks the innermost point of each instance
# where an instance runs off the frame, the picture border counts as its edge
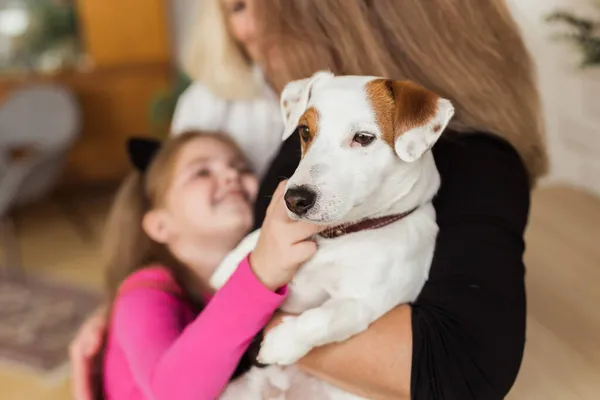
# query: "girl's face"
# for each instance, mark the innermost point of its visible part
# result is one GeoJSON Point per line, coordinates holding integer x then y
{"type": "Point", "coordinates": [210, 196]}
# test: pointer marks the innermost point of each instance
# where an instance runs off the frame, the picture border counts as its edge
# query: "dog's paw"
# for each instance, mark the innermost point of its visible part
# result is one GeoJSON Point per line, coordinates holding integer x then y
{"type": "Point", "coordinates": [282, 346]}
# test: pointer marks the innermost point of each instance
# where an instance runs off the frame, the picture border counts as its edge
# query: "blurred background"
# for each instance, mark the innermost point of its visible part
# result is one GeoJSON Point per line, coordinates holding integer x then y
{"type": "Point", "coordinates": [77, 77]}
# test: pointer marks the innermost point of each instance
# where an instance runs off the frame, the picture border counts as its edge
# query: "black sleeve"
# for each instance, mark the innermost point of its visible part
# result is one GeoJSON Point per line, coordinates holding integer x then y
{"type": "Point", "coordinates": [282, 167]}
{"type": "Point", "coordinates": [469, 321]}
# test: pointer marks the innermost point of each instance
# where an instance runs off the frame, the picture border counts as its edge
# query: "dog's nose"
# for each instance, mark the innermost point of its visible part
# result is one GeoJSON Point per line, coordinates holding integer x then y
{"type": "Point", "coordinates": [300, 199]}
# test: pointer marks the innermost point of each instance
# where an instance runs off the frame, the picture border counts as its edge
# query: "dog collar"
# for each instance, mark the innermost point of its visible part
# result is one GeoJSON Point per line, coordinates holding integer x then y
{"type": "Point", "coordinates": [370, 223]}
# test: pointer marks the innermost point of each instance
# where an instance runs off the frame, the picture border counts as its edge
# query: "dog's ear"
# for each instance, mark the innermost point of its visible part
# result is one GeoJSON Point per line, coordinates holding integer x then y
{"type": "Point", "coordinates": [420, 117]}
{"type": "Point", "coordinates": [294, 100]}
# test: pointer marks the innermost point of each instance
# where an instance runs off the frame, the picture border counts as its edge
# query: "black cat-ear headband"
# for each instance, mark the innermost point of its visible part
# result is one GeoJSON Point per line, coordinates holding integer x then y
{"type": "Point", "coordinates": [141, 152]}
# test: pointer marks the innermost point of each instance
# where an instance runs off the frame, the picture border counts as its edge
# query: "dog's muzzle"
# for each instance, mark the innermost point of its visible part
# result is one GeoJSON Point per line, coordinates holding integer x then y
{"type": "Point", "coordinates": [300, 199]}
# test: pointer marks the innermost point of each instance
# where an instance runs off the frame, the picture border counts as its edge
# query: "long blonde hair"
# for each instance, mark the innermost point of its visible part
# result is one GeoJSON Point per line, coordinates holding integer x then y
{"type": "Point", "coordinates": [470, 51]}
{"type": "Point", "coordinates": [214, 58]}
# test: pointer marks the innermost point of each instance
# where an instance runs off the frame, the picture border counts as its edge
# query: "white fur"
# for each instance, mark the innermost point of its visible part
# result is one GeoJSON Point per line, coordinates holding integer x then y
{"type": "Point", "coordinates": [354, 279]}
{"type": "Point", "coordinates": [295, 97]}
{"type": "Point", "coordinates": [411, 145]}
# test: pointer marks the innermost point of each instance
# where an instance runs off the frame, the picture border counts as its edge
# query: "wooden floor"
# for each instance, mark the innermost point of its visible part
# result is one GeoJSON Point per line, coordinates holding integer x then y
{"type": "Point", "coordinates": [562, 360]}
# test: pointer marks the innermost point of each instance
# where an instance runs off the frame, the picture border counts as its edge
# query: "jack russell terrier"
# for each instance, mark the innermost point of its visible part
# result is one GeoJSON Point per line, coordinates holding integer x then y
{"type": "Point", "coordinates": [367, 174]}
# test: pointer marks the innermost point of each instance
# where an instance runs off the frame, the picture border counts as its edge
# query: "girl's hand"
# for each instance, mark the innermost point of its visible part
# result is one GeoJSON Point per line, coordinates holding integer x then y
{"type": "Point", "coordinates": [82, 350]}
{"type": "Point", "coordinates": [283, 246]}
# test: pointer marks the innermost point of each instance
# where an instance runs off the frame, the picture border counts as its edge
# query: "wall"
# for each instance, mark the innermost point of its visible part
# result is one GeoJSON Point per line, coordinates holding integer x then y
{"type": "Point", "coordinates": [183, 15]}
{"type": "Point", "coordinates": [571, 97]}
{"type": "Point", "coordinates": [132, 62]}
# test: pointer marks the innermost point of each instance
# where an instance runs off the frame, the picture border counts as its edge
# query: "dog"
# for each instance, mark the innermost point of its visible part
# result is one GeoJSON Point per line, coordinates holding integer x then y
{"type": "Point", "coordinates": [368, 176]}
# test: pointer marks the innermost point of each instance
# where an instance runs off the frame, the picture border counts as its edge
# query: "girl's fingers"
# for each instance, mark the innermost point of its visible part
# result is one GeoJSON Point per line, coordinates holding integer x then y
{"type": "Point", "coordinates": [300, 230]}
{"type": "Point", "coordinates": [303, 229]}
{"type": "Point", "coordinates": [304, 250]}
{"type": "Point", "coordinates": [296, 231]}
{"type": "Point", "coordinates": [280, 190]}
{"type": "Point", "coordinates": [276, 200]}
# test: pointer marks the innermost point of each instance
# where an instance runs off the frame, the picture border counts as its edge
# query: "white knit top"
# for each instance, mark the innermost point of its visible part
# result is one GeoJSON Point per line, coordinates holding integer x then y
{"type": "Point", "coordinates": [255, 124]}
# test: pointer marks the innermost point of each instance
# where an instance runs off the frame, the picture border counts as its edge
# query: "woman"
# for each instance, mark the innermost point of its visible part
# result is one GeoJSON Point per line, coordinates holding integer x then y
{"type": "Point", "coordinates": [229, 92]}
{"type": "Point", "coordinates": [464, 337]}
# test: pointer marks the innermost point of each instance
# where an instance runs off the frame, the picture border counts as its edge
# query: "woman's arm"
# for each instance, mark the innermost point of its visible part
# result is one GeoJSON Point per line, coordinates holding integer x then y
{"type": "Point", "coordinates": [171, 360]}
{"type": "Point", "coordinates": [374, 364]}
{"type": "Point", "coordinates": [463, 338]}
{"type": "Point", "coordinates": [384, 374]}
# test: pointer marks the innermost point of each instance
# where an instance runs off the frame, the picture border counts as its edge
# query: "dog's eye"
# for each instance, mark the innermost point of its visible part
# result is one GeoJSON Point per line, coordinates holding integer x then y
{"type": "Point", "coordinates": [363, 138]}
{"type": "Point", "coordinates": [304, 132]}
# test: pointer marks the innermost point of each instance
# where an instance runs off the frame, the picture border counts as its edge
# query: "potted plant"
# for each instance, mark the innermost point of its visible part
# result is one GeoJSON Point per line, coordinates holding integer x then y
{"type": "Point", "coordinates": [50, 37]}
{"type": "Point", "coordinates": [584, 33]}
{"type": "Point", "coordinates": [163, 106]}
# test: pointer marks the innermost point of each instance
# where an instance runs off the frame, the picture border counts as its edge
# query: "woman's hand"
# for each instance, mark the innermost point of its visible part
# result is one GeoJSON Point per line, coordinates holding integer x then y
{"type": "Point", "coordinates": [283, 246]}
{"type": "Point", "coordinates": [82, 350]}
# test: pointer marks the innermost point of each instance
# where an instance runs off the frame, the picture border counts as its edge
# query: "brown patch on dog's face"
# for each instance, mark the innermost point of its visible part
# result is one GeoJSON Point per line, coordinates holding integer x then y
{"type": "Point", "coordinates": [400, 106]}
{"type": "Point", "coordinates": [308, 127]}
{"type": "Point", "coordinates": [384, 107]}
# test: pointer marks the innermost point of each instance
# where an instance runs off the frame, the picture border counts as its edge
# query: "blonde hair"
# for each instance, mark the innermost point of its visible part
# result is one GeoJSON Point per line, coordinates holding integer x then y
{"type": "Point", "coordinates": [467, 50]}
{"type": "Point", "coordinates": [214, 58]}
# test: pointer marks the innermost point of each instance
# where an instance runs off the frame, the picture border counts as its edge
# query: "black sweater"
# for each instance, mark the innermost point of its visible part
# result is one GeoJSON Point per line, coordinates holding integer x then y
{"type": "Point", "coordinates": [469, 321]}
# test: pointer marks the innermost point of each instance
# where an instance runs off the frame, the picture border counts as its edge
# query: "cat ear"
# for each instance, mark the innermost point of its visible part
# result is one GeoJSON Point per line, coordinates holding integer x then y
{"type": "Point", "coordinates": [141, 152]}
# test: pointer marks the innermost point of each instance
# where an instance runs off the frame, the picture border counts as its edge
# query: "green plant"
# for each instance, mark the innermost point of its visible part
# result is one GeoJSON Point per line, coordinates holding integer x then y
{"type": "Point", "coordinates": [57, 22]}
{"type": "Point", "coordinates": [585, 34]}
{"type": "Point", "coordinates": [51, 39]}
{"type": "Point", "coordinates": [163, 106]}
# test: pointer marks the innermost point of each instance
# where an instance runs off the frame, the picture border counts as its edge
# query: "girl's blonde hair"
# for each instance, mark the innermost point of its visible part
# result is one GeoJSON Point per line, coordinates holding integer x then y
{"type": "Point", "coordinates": [127, 248]}
{"type": "Point", "coordinates": [467, 50]}
{"type": "Point", "coordinates": [214, 58]}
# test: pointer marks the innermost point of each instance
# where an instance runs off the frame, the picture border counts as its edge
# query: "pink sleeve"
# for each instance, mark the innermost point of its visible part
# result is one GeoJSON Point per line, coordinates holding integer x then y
{"type": "Point", "coordinates": [170, 361]}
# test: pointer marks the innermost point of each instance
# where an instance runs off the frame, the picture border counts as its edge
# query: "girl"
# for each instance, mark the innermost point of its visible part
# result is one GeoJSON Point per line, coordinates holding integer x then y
{"type": "Point", "coordinates": [171, 225]}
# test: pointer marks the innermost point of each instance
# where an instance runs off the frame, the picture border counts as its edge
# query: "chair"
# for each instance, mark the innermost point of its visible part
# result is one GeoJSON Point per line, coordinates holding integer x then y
{"type": "Point", "coordinates": [38, 125]}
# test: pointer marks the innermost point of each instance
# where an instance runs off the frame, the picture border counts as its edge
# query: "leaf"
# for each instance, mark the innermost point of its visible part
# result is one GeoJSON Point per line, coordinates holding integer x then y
{"type": "Point", "coordinates": [164, 104]}
{"type": "Point", "coordinates": [586, 35]}
{"type": "Point", "coordinates": [584, 25]}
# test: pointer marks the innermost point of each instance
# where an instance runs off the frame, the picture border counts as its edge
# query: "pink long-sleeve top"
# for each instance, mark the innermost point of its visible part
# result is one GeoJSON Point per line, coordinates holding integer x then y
{"type": "Point", "coordinates": [157, 348]}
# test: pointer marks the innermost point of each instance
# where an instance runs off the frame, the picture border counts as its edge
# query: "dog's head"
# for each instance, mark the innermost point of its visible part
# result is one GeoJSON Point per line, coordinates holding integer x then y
{"type": "Point", "coordinates": [356, 134]}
